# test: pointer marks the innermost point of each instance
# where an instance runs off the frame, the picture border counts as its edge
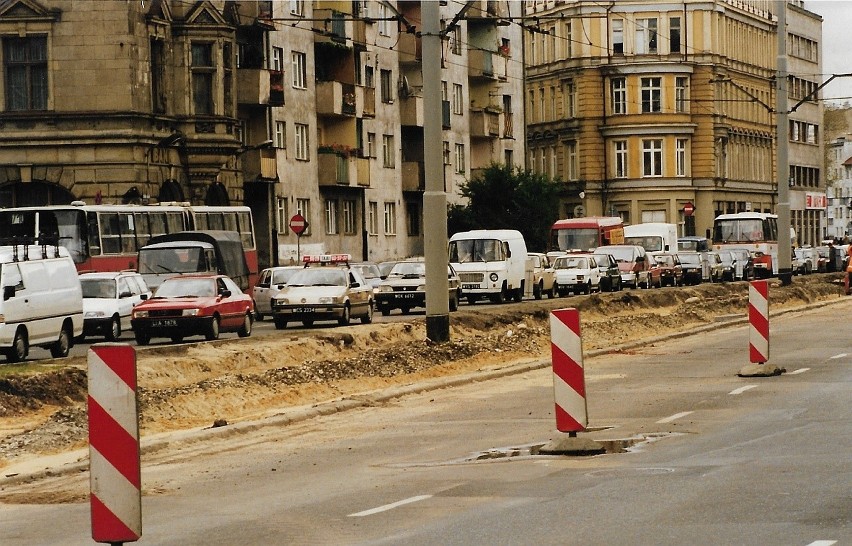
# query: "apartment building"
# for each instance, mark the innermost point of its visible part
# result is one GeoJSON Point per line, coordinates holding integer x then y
{"type": "Point", "coordinates": [309, 107]}
{"type": "Point", "coordinates": [839, 192]}
{"type": "Point", "coordinates": [643, 108]}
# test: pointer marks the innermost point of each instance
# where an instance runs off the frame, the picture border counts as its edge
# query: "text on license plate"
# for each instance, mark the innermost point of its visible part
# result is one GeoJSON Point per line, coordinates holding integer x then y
{"type": "Point", "coordinates": [470, 286]}
{"type": "Point", "coordinates": [303, 310]}
{"type": "Point", "coordinates": [164, 323]}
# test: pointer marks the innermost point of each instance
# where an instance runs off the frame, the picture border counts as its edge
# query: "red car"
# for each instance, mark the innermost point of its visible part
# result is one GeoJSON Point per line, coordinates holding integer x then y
{"type": "Point", "coordinates": [193, 305]}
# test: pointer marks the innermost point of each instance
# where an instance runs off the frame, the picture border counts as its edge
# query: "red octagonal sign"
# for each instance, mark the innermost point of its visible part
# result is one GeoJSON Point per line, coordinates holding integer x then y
{"type": "Point", "coordinates": [688, 209]}
{"type": "Point", "coordinates": [298, 224]}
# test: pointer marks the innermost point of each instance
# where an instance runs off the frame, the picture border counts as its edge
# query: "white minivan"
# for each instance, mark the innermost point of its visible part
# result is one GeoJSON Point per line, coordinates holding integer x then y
{"type": "Point", "coordinates": [42, 302]}
{"type": "Point", "coordinates": [490, 263]}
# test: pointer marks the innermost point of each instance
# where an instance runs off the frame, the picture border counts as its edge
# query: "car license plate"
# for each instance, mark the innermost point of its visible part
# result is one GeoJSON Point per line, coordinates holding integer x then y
{"type": "Point", "coordinates": [164, 323]}
{"type": "Point", "coordinates": [303, 310]}
{"type": "Point", "coordinates": [470, 286]}
{"type": "Point", "coordinates": [405, 296]}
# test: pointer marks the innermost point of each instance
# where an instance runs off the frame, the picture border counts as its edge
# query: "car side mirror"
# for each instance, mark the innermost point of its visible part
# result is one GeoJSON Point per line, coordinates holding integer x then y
{"type": "Point", "coordinates": [355, 285]}
{"type": "Point", "coordinates": [125, 294]}
{"type": "Point", "coordinates": [8, 292]}
{"type": "Point", "coordinates": [279, 286]}
{"type": "Point", "coordinates": [263, 285]}
{"type": "Point", "coordinates": [143, 297]}
{"type": "Point", "coordinates": [225, 293]}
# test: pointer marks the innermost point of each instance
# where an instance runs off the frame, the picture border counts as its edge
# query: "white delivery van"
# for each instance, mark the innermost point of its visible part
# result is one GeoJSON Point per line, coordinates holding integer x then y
{"type": "Point", "coordinates": [42, 302]}
{"type": "Point", "coordinates": [490, 263]}
{"type": "Point", "coordinates": [652, 236]}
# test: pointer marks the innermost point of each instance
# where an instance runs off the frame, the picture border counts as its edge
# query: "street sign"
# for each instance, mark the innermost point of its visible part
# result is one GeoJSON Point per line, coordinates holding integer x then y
{"type": "Point", "coordinates": [298, 224]}
{"type": "Point", "coordinates": [688, 209]}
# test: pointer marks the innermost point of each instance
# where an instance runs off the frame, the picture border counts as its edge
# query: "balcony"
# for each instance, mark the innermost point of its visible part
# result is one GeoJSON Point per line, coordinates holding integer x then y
{"type": "Point", "coordinates": [484, 123]}
{"type": "Point", "coordinates": [342, 169]}
{"type": "Point", "coordinates": [411, 111]}
{"type": "Point", "coordinates": [260, 164]}
{"type": "Point", "coordinates": [330, 27]}
{"type": "Point", "coordinates": [254, 86]}
{"type": "Point", "coordinates": [410, 49]}
{"type": "Point", "coordinates": [335, 99]}
{"type": "Point", "coordinates": [251, 12]}
{"type": "Point", "coordinates": [365, 99]}
{"type": "Point", "coordinates": [413, 176]}
{"type": "Point", "coordinates": [362, 171]}
{"type": "Point", "coordinates": [507, 125]}
{"type": "Point", "coordinates": [481, 64]}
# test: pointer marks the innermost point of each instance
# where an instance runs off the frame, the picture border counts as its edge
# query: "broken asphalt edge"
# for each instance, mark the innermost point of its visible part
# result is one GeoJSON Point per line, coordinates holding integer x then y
{"type": "Point", "coordinates": [77, 460]}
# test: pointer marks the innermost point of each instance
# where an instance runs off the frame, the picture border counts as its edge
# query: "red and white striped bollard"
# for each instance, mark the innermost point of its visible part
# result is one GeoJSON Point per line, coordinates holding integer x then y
{"type": "Point", "coordinates": [569, 387]}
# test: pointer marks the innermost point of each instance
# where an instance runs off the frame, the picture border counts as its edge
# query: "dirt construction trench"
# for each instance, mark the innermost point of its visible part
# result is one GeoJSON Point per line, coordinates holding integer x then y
{"type": "Point", "coordinates": [193, 386]}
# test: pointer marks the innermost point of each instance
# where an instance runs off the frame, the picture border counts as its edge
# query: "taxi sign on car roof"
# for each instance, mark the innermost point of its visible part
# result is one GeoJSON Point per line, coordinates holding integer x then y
{"type": "Point", "coordinates": [326, 259]}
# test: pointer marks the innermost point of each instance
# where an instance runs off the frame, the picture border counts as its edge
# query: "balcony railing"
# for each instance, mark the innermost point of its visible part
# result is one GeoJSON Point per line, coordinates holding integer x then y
{"type": "Point", "coordinates": [484, 124]}
{"type": "Point", "coordinates": [507, 125]}
{"type": "Point", "coordinates": [335, 98]}
{"type": "Point", "coordinates": [411, 111]}
{"type": "Point", "coordinates": [410, 49]}
{"type": "Point", "coordinates": [253, 86]}
{"type": "Point", "coordinates": [260, 164]}
{"type": "Point", "coordinates": [413, 176]}
{"type": "Point", "coordinates": [332, 169]}
{"type": "Point", "coordinates": [480, 64]}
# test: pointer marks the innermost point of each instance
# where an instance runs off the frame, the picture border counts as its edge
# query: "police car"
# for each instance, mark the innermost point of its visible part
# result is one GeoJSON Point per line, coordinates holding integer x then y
{"type": "Point", "coordinates": [326, 288]}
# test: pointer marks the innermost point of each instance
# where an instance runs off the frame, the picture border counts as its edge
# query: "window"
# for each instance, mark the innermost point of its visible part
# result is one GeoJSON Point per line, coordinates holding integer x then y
{"type": "Point", "coordinates": [553, 112]}
{"type": "Point", "coordinates": [455, 41]}
{"type": "Point", "coordinates": [551, 169]}
{"type": "Point", "coordinates": [570, 91]}
{"type": "Point", "coordinates": [801, 131]}
{"type": "Point", "coordinates": [618, 87]}
{"type": "Point", "coordinates": [300, 75]}
{"type": "Point", "coordinates": [25, 64]}
{"type": "Point", "coordinates": [460, 167]}
{"type": "Point", "coordinates": [532, 106]}
{"type": "Point", "coordinates": [618, 36]}
{"type": "Point", "coordinates": [384, 16]}
{"type": "Point", "coordinates": [446, 152]}
{"type": "Point", "coordinates": [652, 157]}
{"type": "Point", "coordinates": [282, 221]}
{"type": "Point", "coordinates": [646, 36]}
{"type": "Point", "coordinates": [371, 145]}
{"type": "Point", "coordinates": [278, 59]}
{"type": "Point", "coordinates": [571, 160]}
{"type": "Point", "coordinates": [280, 134]}
{"type": "Point", "coordinates": [158, 78]}
{"type": "Point", "coordinates": [674, 34]}
{"type": "Point", "coordinates": [303, 208]}
{"type": "Point", "coordinates": [651, 90]}
{"type": "Point", "coordinates": [349, 216]}
{"type": "Point", "coordinates": [302, 142]}
{"type": "Point", "coordinates": [202, 78]}
{"type": "Point", "coordinates": [388, 152]}
{"type": "Point", "coordinates": [390, 218]}
{"type": "Point", "coordinates": [414, 218]}
{"type": "Point", "coordinates": [331, 217]}
{"type": "Point", "coordinates": [620, 158]}
{"type": "Point", "coordinates": [681, 93]}
{"type": "Point", "coordinates": [680, 156]}
{"type": "Point", "coordinates": [387, 86]}
{"type": "Point", "coordinates": [297, 7]}
{"type": "Point", "coordinates": [373, 218]}
{"type": "Point", "coordinates": [369, 77]}
{"type": "Point", "coordinates": [458, 99]}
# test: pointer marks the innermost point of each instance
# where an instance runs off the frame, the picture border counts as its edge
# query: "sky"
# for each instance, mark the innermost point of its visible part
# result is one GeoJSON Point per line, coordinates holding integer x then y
{"type": "Point", "coordinates": [836, 54]}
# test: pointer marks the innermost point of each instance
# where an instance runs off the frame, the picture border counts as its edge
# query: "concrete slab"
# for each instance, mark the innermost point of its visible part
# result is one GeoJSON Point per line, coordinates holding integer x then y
{"type": "Point", "coordinates": [760, 370]}
{"type": "Point", "coordinates": [572, 445]}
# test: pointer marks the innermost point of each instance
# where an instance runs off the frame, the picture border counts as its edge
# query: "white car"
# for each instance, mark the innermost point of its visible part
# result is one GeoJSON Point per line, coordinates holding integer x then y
{"type": "Point", "coordinates": [327, 289]}
{"type": "Point", "coordinates": [108, 301]}
{"type": "Point", "coordinates": [543, 275]}
{"type": "Point", "coordinates": [577, 273]}
{"type": "Point", "coordinates": [270, 282]}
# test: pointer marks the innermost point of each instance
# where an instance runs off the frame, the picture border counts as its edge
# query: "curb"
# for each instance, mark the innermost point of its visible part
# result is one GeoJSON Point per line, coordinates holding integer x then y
{"type": "Point", "coordinates": [368, 399]}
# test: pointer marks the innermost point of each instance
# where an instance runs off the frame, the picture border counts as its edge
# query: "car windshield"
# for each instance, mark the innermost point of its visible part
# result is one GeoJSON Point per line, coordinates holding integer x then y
{"type": "Point", "coordinates": [318, 277]}
{"type": "Point", "coordinates": [282, 276]}
{"type": "Point", "coordinates": [664, 260]}
{"type": "Point", "coordinates": [408, 269]}
{"type": "Point", "coordinates": [603, 260]}
{"type": "Point", "coordinates": [368, 271]}
{"type": "Point", "coordinates": [622, 254]}
{"type": "Point", "coordinates": [689, 258]}
{"type": "Point", "coordinates": [98, 288]}
{"type": "Point", "coordinates": [183, 287]}
{"type": "Point", "coordinates": [476, 250]}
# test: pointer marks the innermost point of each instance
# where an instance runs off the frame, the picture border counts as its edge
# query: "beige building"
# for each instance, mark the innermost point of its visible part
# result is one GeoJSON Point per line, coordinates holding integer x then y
{"type": "Point", "coordinates": [645, 107]}
{"type": "Point", "coordinates": [287, 106]}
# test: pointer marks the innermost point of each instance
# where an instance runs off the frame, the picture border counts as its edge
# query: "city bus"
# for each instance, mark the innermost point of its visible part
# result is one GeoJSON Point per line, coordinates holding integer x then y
{"type": "Point", "coordinates": [586, 234]}
{"type": "Point", "coordinates": [108, 237]}
{"type": "Point", "coordinates": [756, 232]}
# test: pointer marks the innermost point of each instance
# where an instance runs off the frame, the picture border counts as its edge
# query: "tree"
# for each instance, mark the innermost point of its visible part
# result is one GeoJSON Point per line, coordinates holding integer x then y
{"type": "Point", "coordinates": [505, 198]}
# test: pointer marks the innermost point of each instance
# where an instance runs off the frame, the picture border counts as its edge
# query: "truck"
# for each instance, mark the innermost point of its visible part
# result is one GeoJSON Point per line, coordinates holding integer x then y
{"type": "Point", "coordinates": [490, 263]}
{"type": "Point", "coordinates": [193, 252]}
{"type": "Point", "coordinates": [652, 236]}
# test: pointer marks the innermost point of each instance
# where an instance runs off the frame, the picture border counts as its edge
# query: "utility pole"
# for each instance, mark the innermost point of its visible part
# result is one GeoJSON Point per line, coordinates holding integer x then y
{"type": "Point", "coordinates": [434, 196]}
{"type": "Point", "coordinates": [785, 268]}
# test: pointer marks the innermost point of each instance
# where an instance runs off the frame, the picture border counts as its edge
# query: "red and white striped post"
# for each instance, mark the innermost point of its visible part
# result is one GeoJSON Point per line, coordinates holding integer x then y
{"type": "Point", "coordinates": [569, 387]}
{"type": "Point", "coordinates": [758, 318]}
{"type": "Point", "coordinates": [114, 469]}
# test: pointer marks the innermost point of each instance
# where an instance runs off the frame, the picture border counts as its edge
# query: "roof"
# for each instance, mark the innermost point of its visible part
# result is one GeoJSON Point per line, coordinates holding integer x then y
{"type": "Point", "coordinates": [105, 274]}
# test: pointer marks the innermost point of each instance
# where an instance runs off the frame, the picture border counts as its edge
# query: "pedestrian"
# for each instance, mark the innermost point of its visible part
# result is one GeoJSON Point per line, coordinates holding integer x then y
{"type": "Point", "coordinates": [831, 266]}
{"type": "Point", "coordinates": [846, 282]}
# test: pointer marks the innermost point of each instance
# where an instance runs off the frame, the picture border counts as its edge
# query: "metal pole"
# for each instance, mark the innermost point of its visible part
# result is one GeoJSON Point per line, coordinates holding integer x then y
{"type": "Point", "coordinates": [785, 268]}
{"type": "Point", "coordinates": [434, 196]}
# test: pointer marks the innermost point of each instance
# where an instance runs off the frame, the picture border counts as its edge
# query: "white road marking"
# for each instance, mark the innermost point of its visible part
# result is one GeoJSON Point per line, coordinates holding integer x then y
{"type": "Point", "coordinates": [674, 417]}
{"type": "Point", "coordinates": [743, 389]}
{"type": "Point", "coordinates": [390, 506]}
{"type": "Point", "coordinates": [822, 543]}
{"type": "Point", "coordinates": [841, 355]}
{"type": "Point", "coordinates": [800, 370]}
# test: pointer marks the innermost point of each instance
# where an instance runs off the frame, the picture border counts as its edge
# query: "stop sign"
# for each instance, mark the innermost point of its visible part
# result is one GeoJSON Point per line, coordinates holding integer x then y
{"type": "Point", "coordinates": [298, 224]}
{"type": "Point", "coordinates": [688, 209]}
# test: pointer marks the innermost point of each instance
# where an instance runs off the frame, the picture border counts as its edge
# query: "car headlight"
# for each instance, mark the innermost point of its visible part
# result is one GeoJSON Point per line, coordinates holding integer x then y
{"type": "Point", "coordinates": [140, 314]}
{"type": "Point", "coordinates": [580, 277]}
{"type": "Point", "coordinates": [94, 314]}
{"type": "Point", "coordinates": [384, 289]}
{"type": "Point", "coordinates": [189, 313]}
{"type": "Point", "coordinates": [493, 277]}
{"type": "Point", "coordinates": [421, 288]}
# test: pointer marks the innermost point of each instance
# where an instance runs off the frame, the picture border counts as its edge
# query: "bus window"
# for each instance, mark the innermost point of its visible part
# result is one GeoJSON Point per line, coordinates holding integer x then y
{"type": "Point", "coordinates": [215, 220]}
{"type": "Point", "coordinates": [71, 228]}
{"type": "Point", "coordinates": [143, 228]}
{"type": "Point", "coordinates": [244, 227]}
{"type": "Point", "coordinates": [128, 233]}
{"type": "Point", "coordinates": [94, 234]}
{"type": "Point", "coordinates": [229, 221]}
{"type": "Point", "coordinates": [175, 222]}
{"type": "Point", "coordinates": [110, 233]}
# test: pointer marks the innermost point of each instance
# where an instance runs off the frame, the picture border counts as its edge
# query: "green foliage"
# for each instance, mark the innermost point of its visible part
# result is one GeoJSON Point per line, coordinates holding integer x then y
{"type": "Point", "coordinates": [505, 198]}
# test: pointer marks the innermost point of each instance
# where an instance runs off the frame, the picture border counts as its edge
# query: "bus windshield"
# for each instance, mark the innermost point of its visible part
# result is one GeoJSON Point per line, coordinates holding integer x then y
{"type": "Point", "coordinates": [68, 225]}
{"type": "Point", "coordinates": [577, 238]}
{"type": "Point", "coordinates": [476, 250]}
{"type": "Point", "coordinates": [739, 231]}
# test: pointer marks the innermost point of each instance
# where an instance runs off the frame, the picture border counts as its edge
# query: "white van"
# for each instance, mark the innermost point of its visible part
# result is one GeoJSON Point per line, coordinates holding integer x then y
{"type": "Point", "coordinates": [42, 303]}
{"type": "Point", "coordinates": [490, 263]}
{"type": "Point", "coordinates": [652, 236]}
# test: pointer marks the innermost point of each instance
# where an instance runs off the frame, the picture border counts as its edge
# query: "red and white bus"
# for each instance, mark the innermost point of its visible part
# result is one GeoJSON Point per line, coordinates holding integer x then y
{"type": "Point", "coordinates": [756, 232]}
{"type": "Point", "coordinates": [108, 237]}
{"type": "Point", "coordinates": [586, 234]}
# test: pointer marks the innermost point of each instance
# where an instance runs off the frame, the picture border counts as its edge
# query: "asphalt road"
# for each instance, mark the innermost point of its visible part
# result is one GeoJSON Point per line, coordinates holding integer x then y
{"type": "Point", "coordinates": [715, 459]}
